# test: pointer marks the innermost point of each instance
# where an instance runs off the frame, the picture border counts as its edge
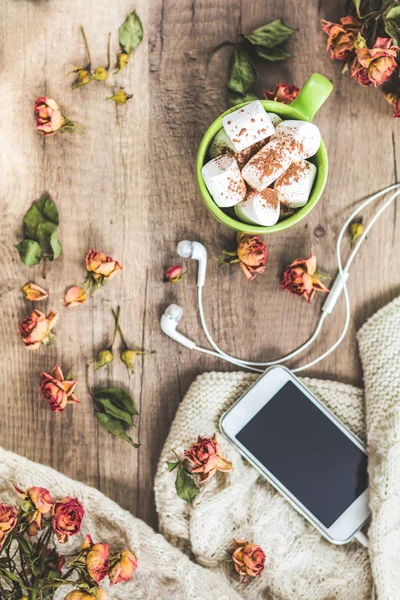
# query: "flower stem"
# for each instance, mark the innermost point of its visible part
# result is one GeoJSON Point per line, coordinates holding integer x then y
{"type": "Point", "coordinates": [118, 327]}
{"type": "Point", "coordinates": [108, 52]}
{"type": "Point", "coordinates": [87, 47]}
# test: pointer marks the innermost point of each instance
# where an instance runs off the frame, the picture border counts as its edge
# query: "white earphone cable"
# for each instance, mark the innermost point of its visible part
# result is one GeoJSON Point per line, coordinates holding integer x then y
{"type": "Point", "coordinates": [342, 273]}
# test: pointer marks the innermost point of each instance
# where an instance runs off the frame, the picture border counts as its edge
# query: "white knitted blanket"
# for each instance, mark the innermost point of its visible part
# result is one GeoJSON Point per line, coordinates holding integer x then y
{"type": "Point", "coordinates": [300, 564]}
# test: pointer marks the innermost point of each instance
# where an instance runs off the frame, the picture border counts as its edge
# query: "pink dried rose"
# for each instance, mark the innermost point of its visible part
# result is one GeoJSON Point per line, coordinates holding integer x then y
{"type": "Point", "coordinates": [37, 501]}
{"type": "Point", "coordinates": [67, 515]}
{"type": "Point", "coordinates": [75, 296]}
{"type": "Point", "coordinates": [97, 561]}
{"type": "Point", "coordinates": [301, 279]}
{"type": "Point", "coordinates": [173, 274]}
{"type": "Point", "coordinates": [341, 37]}
{"type": "Point", "coordinates": [207, 458]}
{"type": "Point", "coordinates": [8, 520]}
{"type": "Point", "coordinates": [101, 267]}
{"type": "Point", "coordinates": [249, 559]}
{"type": "Point", "coordinates": [374, 65]}
{"type": "Point", "coordinates": [124, 568]}
{"type": "Point", "coordinates": [49, 119]}
{"type": "Point", "coordinates": [394, 100]}
{"type": "Point", "coordinates": [34, 292]}
{"type": "Point", "coordinates": [36, 329]}
{"type": "Point", "coordinates": [57, 391]}
{"type": "Point", "coordinates": [283, 92]}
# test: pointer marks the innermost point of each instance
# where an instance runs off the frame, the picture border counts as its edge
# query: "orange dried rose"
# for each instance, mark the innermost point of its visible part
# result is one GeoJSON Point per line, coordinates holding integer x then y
{"type": "Point", "coordinates": [252, 254]}
{"type": "Point", "coordinates": [8, 520]}
{"type": "Point", "coordinates": [97, 561]}
{"type": "Point", "coordinates": [124, 569]}
{"type": "Point", "coordinates": [34, 292]}
{"type": "Point", "coordinates": [394, 100]}
{"type": "Point", "coordinates": [99, 594]}
{"type": "Point", "coordinates": [301, 279]}
{"type": "Point", "coordinates": [341, 37]}
{"type": "Point", "coordinates": [67, 515]}
{"type": "Point", "coordinates": [374, 65]}
{"type": "Point", "coordinates": [207, 458]}
{"type": "Point", "coordinates": [36, 328]}
{"type": "Point", "coordinates": [101, 266]}
{"type": "Point", "coordinates": [74, 296]}
{"type": "Point", "coordinates": [249, 559]}
{"type": "Point", "coordinates": [56, 390]}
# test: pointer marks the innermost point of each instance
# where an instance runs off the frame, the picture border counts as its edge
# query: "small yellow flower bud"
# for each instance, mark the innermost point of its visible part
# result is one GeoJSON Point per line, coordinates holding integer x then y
{"type": "Point", "coordinates": [83, 79]}
{"type": "Point", "coordinates": [104, 357]}
{"type": "Point", "coordinates": [120, 97]}
{"type": "Point", "coordinates": [100, 74]}
{"type": "Point", "coordinates": [122, 61]}
{"type": "Point", "coordinates": [356, 230]}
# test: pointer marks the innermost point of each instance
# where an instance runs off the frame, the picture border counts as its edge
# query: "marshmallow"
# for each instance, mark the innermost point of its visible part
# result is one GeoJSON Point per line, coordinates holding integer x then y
{"type": "Point", "coordinates": [294, 185]}
{"type": "Point", "coordinates": [260, 208]}
{"type": "Point", "coordinates": [224, 181]}
{"type": "Point", "coordinates": [305, 137]}
{"type": "Point", "coordinates": [221, 144]}
{"type": "Point", "coordinates": [248, 125]}
{"type": "Point", "coordinates": [275, 119]}
{"type": "Point", "coordinates": [268, 164]}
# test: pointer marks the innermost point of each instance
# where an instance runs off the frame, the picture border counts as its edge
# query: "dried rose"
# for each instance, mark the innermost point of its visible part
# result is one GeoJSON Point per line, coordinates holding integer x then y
{"type": "Point", "coordinates": [341, 37]}
{"type": "Point", "coordinates": [283, 92]}
{"type": "Point", "coordinates": [8, 520]}
{"type": "Point", "coordinates": [122, 61]}
{"type": "Point", "coordinates": [57, 391]}
{"type": "Point", "coordinates": [34, 292]}
{"type": "Point", "coordinates": [83, 78]}
{"type": "Point", "coordinates": [249, 559]}
{"type": "Point", "coordinates": [101, 267]}
{"type": "Point", "coordinates": [120, 97]}
{"type": "Point", "coordinates": [206, 456]}
{"type": "Point", "coordinates": [75, 296]}
{"type": "Point", "coordinates": [67, 516]}
{"type": "Point", "coordinates": [97, 561]}
{"type": "Point", "coordinates": [87, 542]}
{"type": "Point", "coordinates": [374, 65]}
{"type": "Point", "coordinates": [104, 357]}
{"type": "Point", "coordinates": [394, 100]}
{"type": "Point", "coordinates": [49, 119]}
{"type": "Point", "coordinates": [301, 279]}
{"type": "Point", "coordinates": [252, 253]}
{"type": "Point", "coordinates": [100, 74]}
{"type": "Point", "coordinates": [356, 229]}
{"type": "Point", "coordinates": [124, 569]}
{"type": "Point", "coordinates": [36, 329]}
{"type": "Point", "coordinates": [37, 501]}
{"type": "Point", "coordinates": [99, 594]}
{"type": "Point", "coordinates": [174, 274]}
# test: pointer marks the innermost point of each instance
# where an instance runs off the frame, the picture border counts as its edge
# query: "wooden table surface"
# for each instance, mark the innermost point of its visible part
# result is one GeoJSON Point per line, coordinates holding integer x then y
{"type": "Point", "coordinates": [127, 186]}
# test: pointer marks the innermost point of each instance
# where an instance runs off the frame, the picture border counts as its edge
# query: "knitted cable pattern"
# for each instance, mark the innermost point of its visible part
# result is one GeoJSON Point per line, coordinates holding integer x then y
{"type": "Point", "coordinates": [300, 564]}
{"type": "Point", "coordinates": [163, 573]}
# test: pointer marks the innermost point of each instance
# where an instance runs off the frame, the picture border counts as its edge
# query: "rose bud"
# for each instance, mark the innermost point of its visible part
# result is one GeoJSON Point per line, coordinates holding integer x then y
{"type": "Point", "coordinates": [283, 92]}
{"type": "Point", "coordinates": [120, 97]}
{"type": "Point", "coordinates": [34, 292]}
{"type": "Point", "coordinates": [394, 100]}
{"type": "Point", "coordinates": [249, 559]}
{"type": "Point", "coordinates": [8, 520]}
{"type": "Point", "coordinates": [99, 594]}
{"type": "Point", "coordinates": [122, 61]}
{"type": "Point", "coordinates": [100, 74]}
{"type": "Point", "coordinates": [57, 391]}
{"type": "Point", "coordinates": [87, 542]}
{"type": "Point", "coordinates": [36, 329]}
{"type": "Point", "coordinates": [97, 561]}
{"type": "Point", "coordinates": [206, 456]}
{"type": "Point", "coordinates": [252, 254]}
{"type": "Point", "coordinates": [174, 274]}
{"type": "Point", "coordinates": [124, 569]}
{"type": "Point", "coordinates": [301, 279]}
{"type": "Point", "coordinates": [83, 78]}
{"type": "Point", "coordinates": [104, 358]}
{"type": "Point", "coordinates": [374, 66]}
{"type": "Point", "coordinates": [341, 37]}
{"type": "Point", "coordinates": [74, 296]}
{"type": "Point", "coordinates": [356, 230]}
{"type": "Point", "coordinates": [101, 267]}
{"type": "Point", "coordinates": [67, 516]}
{"type": "Point", "coordinates": [48, 116]}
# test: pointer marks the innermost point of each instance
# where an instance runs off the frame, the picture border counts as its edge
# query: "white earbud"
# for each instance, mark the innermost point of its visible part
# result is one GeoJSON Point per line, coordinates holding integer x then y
{"type": "Point", "coordinates": [195, 250]}
{"type": "Point", "coordinates": [169, 323]}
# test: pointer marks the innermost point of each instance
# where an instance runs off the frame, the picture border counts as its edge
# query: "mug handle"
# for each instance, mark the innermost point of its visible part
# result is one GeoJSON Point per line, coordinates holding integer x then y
{"type": "Point", "coordinates": [312, 96]}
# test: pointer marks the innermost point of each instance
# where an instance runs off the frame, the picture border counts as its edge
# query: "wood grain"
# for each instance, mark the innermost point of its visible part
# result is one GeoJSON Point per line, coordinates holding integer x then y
{"type": "Point", "coordinates": [127, 186]}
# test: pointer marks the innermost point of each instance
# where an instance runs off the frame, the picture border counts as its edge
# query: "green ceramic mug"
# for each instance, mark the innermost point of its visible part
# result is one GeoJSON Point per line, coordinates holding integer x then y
{"type": "Point", "coordinates": [311, 97]}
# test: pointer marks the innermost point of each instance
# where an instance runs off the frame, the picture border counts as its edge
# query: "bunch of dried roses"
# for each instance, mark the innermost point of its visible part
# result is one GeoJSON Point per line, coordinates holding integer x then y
{"type": "Point", "coordinates": [30, 565]}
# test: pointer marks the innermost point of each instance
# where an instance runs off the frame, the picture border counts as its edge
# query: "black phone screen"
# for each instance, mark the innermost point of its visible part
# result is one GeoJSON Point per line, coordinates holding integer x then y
{"type": "Point", "coordinates": [307, 453]}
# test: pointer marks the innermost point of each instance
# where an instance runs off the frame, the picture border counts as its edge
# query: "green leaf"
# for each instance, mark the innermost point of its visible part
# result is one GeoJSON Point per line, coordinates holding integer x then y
{"type": "Point", "coordinates": [48, 208]}
{"type": "Point", "coordinates": [115, 427]}
{"type": "Point", "coordinates": [357, 4]}
{"type": "Point", "coordinates": [110, 409]}
{"type": "Point", "coordinates": [131, 33]}
{"type": "Point", "coordinates": [393, 14]}
{"type": "Point", "coordinates": [185, 486]}
{"type": "Point", "coordinates": [44, 231]}
{"type": "Point", "coordinates": [242, 74]}
{"type": "Point", "coordinates": [32, 220]}
{"type": "Point", "coordinates": [30, 252]}
{"type": "Point", "coordinates": [273, 54]}
{"type": "Point", "coordinates": [234, 98]}
{"type": "Point", "coordinates": [172, 465]}
{"type": "Point", "coordinates": [270, 35]}
{"type": "Point", "coordinates": [55, 246]}
{"type": "Point", "coordinates": [120, 398]}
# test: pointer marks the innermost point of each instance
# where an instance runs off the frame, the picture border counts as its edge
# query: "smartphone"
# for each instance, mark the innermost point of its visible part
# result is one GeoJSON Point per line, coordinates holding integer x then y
{"type": "Point", "coordinates": [304, 451]}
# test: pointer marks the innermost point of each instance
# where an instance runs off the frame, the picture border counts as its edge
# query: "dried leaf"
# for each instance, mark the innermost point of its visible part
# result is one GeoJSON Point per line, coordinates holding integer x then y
{"type": "Point", "coordinates": [185, 485]}
{"type": "Point", "coordinates": [242, 74]}
{"type": "Point", "coordinates": [30, 252]}
{"type": "Point", "coordinates": [273, 54]}
{"type": "Point", "coordinates": [115, 427]}
{"type": "Point", "coordinates": [131, 33]}
{"type": "Point", "coordinates": [120, 398]}
{"type": "Point", "coordinates": [107, 405]}
{"type": "Point", "coordinates": [270, 35]}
